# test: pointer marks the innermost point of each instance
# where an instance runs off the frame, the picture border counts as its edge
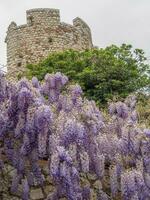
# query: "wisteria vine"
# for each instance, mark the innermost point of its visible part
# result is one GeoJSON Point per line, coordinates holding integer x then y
{"type": "Point", "coordinates": [52, 121]}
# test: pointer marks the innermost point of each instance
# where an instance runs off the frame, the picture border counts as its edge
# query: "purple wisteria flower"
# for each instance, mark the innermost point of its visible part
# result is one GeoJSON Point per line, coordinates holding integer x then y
{"type": "Point", "coordinates": [147, 132]}
{"type": "Point", "coordinates": [26, 189]}
{"type": "Point", "coordinates": [88, 156]}
{"type": "Point", "coordinates": [42, 118]}
{"type": "Point", "coordinates": [24, 99]}
{"type": "Point", "coordinates": [35, 82]}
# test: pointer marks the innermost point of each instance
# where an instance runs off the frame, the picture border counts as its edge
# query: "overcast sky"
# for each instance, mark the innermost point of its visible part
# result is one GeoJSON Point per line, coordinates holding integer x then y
{"type": "Point", "coordinates": [111, 21]}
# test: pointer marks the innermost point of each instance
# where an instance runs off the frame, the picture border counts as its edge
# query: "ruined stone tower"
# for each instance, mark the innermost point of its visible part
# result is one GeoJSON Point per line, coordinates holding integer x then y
{"type": "Point", "coordinates": [43, 33]}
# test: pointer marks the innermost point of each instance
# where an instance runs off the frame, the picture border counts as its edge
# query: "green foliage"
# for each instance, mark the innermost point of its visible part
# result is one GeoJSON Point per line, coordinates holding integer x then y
{"type": "Point", "coordinates": [102, 73]}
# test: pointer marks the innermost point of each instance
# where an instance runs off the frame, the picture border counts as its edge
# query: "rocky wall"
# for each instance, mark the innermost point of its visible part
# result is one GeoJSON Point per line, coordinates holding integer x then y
{"type": "Point", "coordinates": [37, 192]}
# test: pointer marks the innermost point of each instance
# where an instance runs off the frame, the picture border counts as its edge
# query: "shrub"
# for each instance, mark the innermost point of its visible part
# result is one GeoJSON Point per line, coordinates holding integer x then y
{"type": "Point", "coordinates": [102, 73]}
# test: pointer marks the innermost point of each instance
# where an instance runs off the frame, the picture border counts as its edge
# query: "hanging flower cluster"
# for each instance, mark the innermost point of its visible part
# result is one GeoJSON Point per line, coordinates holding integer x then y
{"type": "Point", "coordinates": [52, 121]}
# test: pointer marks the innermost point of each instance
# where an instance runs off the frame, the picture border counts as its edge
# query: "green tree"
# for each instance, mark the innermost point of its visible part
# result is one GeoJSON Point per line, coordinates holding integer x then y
{"type": "Point", "coordinates": [102, 73]}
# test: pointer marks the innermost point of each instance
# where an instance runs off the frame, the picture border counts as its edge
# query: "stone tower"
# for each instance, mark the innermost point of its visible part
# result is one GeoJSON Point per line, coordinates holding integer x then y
{"type": "Point", "coordinates": [43, 33]}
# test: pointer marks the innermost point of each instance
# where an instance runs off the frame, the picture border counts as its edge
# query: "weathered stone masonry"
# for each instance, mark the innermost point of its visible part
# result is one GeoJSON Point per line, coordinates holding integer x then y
{"type": "Point", "coordinates": [43, 33]}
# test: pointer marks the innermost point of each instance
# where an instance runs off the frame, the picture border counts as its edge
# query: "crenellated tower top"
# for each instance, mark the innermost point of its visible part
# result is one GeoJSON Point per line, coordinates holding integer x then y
{"type": "Point", "coordinates": [42, 34]}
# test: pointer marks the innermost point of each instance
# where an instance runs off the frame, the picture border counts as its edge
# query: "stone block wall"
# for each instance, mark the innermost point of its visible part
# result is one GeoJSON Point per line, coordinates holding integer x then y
{"type": "Point", "coordinates": [43, 33]}
{"type": "Point", "coordinates": [42, 193]}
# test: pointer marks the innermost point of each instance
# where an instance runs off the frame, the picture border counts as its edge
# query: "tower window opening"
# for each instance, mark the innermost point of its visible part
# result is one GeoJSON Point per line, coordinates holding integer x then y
{"type": "Point", "coordinates": [50, 40]}
{"type": "Point", "coordinates": [30, 20]}
{"type": "Point", "coordinates": [19, 64]}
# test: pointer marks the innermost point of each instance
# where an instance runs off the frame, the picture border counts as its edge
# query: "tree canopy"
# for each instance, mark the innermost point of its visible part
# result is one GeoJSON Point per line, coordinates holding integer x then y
{"type": "Point", "coordinates": [103, 73]}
